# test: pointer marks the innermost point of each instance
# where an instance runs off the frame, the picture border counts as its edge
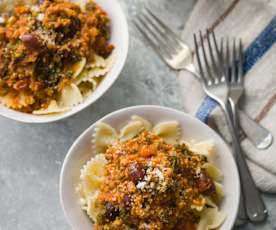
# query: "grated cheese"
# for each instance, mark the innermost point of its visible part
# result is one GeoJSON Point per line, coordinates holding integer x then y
{"type": "Point", "coordinates": [141, 185]}
{"type": "Point", "coordinates": [159, 174]}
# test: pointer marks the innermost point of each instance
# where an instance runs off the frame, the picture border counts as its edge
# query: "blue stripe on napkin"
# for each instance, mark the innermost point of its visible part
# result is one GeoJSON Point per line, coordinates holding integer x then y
{"type": "Point", "coordinates": [253, 53]}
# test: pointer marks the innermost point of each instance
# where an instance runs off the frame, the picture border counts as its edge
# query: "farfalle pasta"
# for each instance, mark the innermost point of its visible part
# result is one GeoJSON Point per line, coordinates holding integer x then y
{"type": "Point", "coordinates": [168, 130]}
{"type": "Point", "coordinates": [146, 124]}
{"type": "Point", "coordinates": [53, 54]}
{"type": "Point", "coordinates": [104, 136]}
{"type": "Point", "coordinates": [145, 177]}
{"type": "Point", "coordinates": [130, 130]}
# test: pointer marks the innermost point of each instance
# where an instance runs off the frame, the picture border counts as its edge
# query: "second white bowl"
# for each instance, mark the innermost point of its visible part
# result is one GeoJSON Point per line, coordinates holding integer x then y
{"type": "Point", "coordinates": [81, 152]}
{"type": "Point", "coordinates": [119, 38]}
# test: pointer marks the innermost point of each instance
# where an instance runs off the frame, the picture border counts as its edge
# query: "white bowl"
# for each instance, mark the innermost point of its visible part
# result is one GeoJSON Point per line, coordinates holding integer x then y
{"type": "Point", "coordinates": [119, 37]}
{"type": "Point", "coordinates": [80, 153]}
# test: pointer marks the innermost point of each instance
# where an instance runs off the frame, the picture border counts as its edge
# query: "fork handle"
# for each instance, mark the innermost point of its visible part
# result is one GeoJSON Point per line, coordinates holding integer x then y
{"type": "Point", "coordinates": [260, 137]}
{"type": "Point", "coordinates": [254, 205]}
{"type": "Point", "coordinates": [256, 133]}
{"type": "Point", "coordinates": [242, 215]}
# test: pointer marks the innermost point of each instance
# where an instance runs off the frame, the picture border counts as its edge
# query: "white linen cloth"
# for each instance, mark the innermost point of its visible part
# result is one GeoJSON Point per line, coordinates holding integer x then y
{"type": "Point", "coordinates": [255, 22]}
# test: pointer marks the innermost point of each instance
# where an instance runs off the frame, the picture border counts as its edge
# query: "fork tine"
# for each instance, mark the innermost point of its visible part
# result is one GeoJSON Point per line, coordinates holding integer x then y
{"type": "Point", "coordinates": [148, 39]}
{"type": "Point", "coordinates": [160, 33]}
{"type": "Point", "coordinates": [202, 75]}
{"type": "Point", "coordinates": [220, 66]}
{"type": "Point", "coordinates": [241, 60]}
{"type": "Point", "coordinates": [229, 63]}
{"type": "Point", "coordinates": [234, 64]}
{"type": "Point", "coordinates": [222, 54]}
{"type": "Point", "coordinates": [205, 58]}
{"type": "Point", "coordinates": [168, 32]}
{"type": "Point", "coordinates": [221, 48]}
{"type": "Point", "coordinates": [224, 57]}
{"type": "Point", "coordinates": [227, 52]}
{"type": "Point", "coordinates": [225, 69]}
{"type": "Point", "coordinates": [214, 65]}
{"type": "Point", "coordinates": [150, 35]}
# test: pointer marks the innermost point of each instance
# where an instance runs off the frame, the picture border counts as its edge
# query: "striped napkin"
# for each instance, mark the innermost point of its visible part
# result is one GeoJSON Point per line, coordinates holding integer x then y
{"type": "Point", "coordinates": [255, 22]}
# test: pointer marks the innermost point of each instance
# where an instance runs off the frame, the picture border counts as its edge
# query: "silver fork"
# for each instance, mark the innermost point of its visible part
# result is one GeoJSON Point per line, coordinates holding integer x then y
{"type": "Point", "coordinates": [215, 82]}
{"type": "Point", "coordinates": [236, 89]}
{"type": "Point", "coordinates": [235, 81]}
{"type": "Point", "coordinates": [178, 56]}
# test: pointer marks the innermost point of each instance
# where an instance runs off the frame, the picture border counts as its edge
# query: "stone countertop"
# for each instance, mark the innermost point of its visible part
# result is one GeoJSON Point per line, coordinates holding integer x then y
{"type": "Point", "coordinates": [31, 155]}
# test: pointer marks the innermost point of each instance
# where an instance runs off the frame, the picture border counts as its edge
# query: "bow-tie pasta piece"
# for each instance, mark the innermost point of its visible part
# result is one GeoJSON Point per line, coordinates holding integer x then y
{"type": "Point", "coordinates": [100, 62]}
{"type": "Point", "coordinates": [210, 202]}
{"type": "Point", "coordinates": [211, 218]}
{"type": "Point", "coordinates": [52, 108]}
{"type": "Point", "coordinates": [132, 129]}
{"type": "Point", "coordinates": [206, 148]}
{"type": "Point", "coordinates": [213, 171]}
{"type": "Point", "coordinates": [147, 125]}
{"type": "Point", "coordinates": [168, 130]}
{"type": "Point", "coordinates": [78, 67]}
{"type": "Point", "coordinates": [219, 190]}
{"type": "Point", "coordinates": [93, 208]}
{"type": "Point", "coordinates": [86, 87]}
{"type": "Point", "coordinates": [220, 195]}
{"type": "Point", "coordinates": [104, 136]}
{"type": "Point", "coordinates": [95, 82]}
{"type": "Point", "coordinates": [91, 73]}
{"type": "Point", "coordinates": [70, 96]}
{"type": "Point", "coordinates": [95, 69]}
{"type": "Point", "coordinates": [92, 174]}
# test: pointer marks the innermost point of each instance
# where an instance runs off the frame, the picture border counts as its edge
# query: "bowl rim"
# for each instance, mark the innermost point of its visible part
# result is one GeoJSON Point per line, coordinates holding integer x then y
{"type": "Point", "coordinates": [87, 130]}
{"type": "Point", "coordinates": [49, 119]}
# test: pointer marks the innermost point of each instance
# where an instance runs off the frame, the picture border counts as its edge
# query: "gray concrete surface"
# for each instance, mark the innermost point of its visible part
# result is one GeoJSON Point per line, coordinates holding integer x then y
{"type": "Point", "coordinates": [31, 155]}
